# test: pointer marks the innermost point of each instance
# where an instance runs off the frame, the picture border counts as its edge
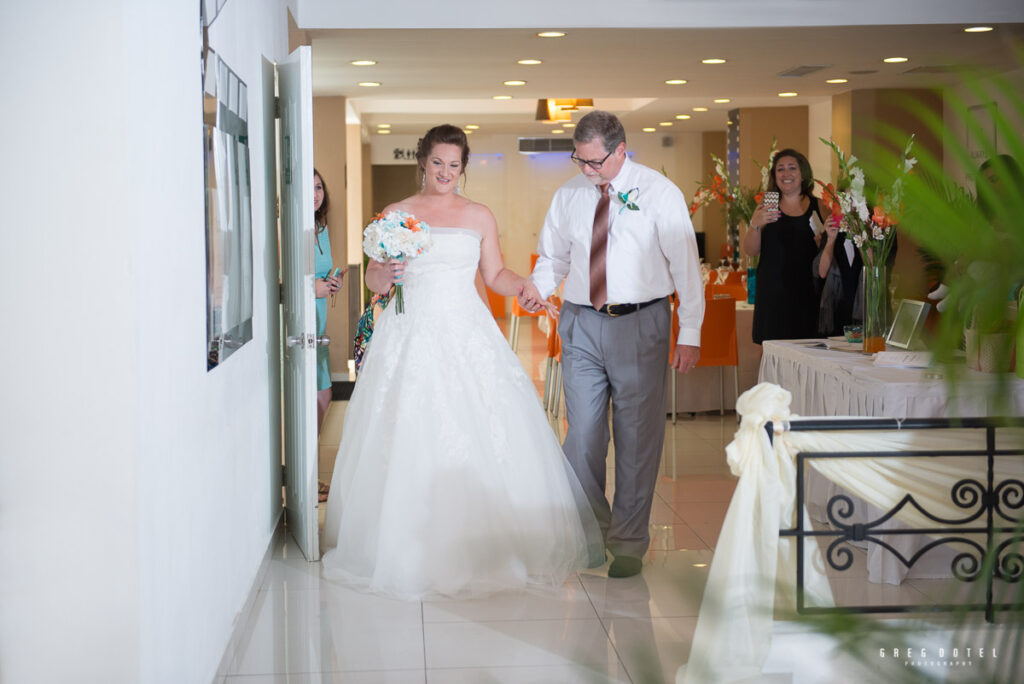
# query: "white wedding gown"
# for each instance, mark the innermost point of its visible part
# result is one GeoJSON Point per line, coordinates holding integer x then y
{"type": "Point", "coordinates": [449, 481]}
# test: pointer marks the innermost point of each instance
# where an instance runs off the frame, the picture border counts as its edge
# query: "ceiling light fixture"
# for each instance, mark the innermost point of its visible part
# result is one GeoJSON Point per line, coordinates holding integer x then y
{"type": "Point", "coordinates": [682, 117]}
{"type": "Point", "coordinates": [700, 109]}
{"type": "Point", "coordinates": [383, 125]}
{"type": "Point", "coordinates": [788, 94]}
{"type": "Point", "coordinates": [712, 60]}
{"type": "Point", "coordinates": [383, 131]}
{"type": "Point", "coordinates": [557, 110]}
{"type": "Point", "coordinates": [894, 60]}
{"type": "Point", "coordinates": [529, 62]}
{"type": "Point", "coordinates": [569, 125]}
{"type": "Point", "coordinates": [369, 84]}
{"type": "Point", "coordinates": [551, 34]}
{"type": "Point", "coordinates": [362, 62]}
{"type": "Point", "coordinates": [557, 130]}
{"type": "Point", "coordinates": [515, 83]}
{"type": "Point", "coordinates": [472, 127]}
{"type": "Point", "coordinates": [649, 129]}
{"type": "Point", "coordinates": [664, 123]}
{"type": "Point", "coordinates": [721, 100]}
{"type": "Point", "coordinates": [501, 97]}
{"type": "Point", "coordinates": [836, 80]}
{"type": "Point", "coordinates": [676, 81]}
{"type": "Point", "coordinates": [977, 29]}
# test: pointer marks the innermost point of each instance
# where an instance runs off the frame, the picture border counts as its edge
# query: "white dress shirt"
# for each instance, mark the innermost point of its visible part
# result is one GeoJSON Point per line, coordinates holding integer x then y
{"type": "Point", "coordinates": [652, 250]}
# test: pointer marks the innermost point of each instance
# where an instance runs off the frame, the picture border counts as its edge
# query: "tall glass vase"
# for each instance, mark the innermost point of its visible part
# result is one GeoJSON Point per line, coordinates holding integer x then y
{"type": "Point", "coordinates": [876, 307]}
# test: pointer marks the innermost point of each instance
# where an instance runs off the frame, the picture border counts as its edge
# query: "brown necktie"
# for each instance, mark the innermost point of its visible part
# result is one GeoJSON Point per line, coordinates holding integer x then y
{"type": "Point", "coordinates": [598, 252]}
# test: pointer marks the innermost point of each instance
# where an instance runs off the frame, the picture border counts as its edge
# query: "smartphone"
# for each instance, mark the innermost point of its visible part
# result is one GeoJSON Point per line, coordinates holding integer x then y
{"type": "Point", "coordinates": [771, 200]}
{"type": "Point", "coordinates": [335, 272]}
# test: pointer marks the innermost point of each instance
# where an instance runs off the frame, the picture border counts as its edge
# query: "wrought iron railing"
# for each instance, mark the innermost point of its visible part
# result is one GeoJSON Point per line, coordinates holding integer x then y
{"type": "Point", "coordinates": [988, 506]}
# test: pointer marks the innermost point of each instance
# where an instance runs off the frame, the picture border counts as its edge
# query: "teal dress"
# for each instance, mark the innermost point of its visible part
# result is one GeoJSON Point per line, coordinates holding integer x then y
{"type": "Point", "coordinates": [322, 266]}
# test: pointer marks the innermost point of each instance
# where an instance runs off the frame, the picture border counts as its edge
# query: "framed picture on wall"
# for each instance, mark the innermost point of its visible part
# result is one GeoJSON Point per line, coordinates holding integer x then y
{"type": "Point", "coordinates": [978, 141]}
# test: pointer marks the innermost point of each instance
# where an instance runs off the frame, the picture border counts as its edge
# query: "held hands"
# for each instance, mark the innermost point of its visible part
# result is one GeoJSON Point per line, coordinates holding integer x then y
{"type": "Point", "coordinates": [530, 299]}
{"type": "Point", "coordinates": [685, 358]}
{"type": "Point", "coordinates": [763, 216]}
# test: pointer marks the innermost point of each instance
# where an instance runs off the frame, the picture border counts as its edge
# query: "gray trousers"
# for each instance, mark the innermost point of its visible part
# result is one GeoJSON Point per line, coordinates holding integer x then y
{"type": "Point", "coordinates": [622, 358]}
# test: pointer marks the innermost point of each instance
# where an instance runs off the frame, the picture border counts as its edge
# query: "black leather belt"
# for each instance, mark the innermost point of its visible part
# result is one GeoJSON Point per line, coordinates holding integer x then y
{"type": "Point", "coordinates": [623, 309]}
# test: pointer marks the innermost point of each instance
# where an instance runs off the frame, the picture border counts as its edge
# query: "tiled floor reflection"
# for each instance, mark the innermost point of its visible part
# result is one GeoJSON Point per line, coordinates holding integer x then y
{"type": "Point", "coordinates": [595, 629]}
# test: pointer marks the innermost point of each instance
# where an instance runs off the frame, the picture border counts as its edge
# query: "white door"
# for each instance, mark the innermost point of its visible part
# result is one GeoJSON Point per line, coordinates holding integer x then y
{"type": "Point", "coordinates": [295, 96]}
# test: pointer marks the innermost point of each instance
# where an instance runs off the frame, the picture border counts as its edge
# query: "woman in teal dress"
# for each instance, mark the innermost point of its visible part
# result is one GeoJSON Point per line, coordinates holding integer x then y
{"type": "Point", "coordinates": [325, 284]}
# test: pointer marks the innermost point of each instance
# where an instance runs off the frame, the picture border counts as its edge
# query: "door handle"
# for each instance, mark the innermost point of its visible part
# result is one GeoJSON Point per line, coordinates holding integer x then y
{"type": "Point", "coordinates": [323, 340]}
{"type": "Point", "coordinates": [294, 341]}
{"type": "Point", "coordinates": [302, 341]}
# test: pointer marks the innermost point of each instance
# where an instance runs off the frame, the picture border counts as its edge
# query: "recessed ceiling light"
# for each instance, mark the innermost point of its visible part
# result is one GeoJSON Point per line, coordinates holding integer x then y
{"type": "Point", "coordinates": [700, 565]}
{"type": "Point", "coordinates": [515, 83]}
{"type": "Point", "coordinates": [977, 29]}
{"type": "Point", "coordinates": [788, 94]}
{"type": "Point", "coordinates": [676, 81]}
{"type": "Point", "coordinates": [383, 131]}
{"type": "Point", "coordinates": [568, 125]}
{"type": "Point", "coordinates": [836, 80]}
{"type": "Point", "coordinates": [712, 60]}
{"type": "Point", "coordinates": [369, 84]}
{"type": "Point", "coordinates": [683, 117]}
{"type": "Point", "coordinates": [551, 34]}
{"type": "Point", "coordinates": [383, 125]}
{"type": "Point", "coordinates": [362, 62]}
{"type": "Point", "coordinates": [557, 130]}
{"type": "Point", "coordinates": [729, 122]}
{"type": "Point", "coordinates": [721, 100]}
{"type": "Point", "coordinates": [529, 62]}
{"type": "Point", "coordinates": [894, 60]}
{"type": "Point", "coordinates": [649, 130]}
{"type": "Point", "coordinates": [468, 132]}
{"type": "Point", "coordinates": [501, 97]}
{"type": "Point", "coordinates": [472, 127]}
{"type": "Point", "coordinates": [664, 123]}
{"type": "Point", "coordinates": [700, 109]}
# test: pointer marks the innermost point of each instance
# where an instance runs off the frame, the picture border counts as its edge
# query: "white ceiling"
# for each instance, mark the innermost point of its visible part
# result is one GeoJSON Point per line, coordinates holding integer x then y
{"type": "Point", "coordinates": [431, 76]}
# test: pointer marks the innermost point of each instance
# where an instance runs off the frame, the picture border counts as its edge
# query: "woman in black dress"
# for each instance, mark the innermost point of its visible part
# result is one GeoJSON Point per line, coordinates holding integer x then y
{"type": "Point", "coordinates": [786, 304]}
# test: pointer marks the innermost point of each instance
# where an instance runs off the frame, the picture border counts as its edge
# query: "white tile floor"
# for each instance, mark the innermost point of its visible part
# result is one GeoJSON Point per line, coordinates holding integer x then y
{"type": "Point", "coordinates": [304, 629]}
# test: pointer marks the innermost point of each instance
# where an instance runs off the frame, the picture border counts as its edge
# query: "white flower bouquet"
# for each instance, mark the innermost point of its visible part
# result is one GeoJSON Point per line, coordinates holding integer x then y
{"type": "Point", "coordinates": [396, 235]}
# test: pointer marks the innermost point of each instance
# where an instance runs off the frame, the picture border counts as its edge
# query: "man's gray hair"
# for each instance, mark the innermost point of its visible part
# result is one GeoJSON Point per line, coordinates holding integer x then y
{"type": "Point", "coordinates": [600, 124]}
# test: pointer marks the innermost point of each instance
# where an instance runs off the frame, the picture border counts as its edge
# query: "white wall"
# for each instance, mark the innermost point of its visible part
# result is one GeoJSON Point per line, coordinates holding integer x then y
{"type": "Point", "coordinates": [138, 491]}
{"type": "Point", "coordinates": [819, 125]}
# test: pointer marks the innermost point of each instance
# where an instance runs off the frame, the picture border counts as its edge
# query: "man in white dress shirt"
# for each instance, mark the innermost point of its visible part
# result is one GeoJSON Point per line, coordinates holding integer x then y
{"type": "Point", "coordinates": [620, 235]}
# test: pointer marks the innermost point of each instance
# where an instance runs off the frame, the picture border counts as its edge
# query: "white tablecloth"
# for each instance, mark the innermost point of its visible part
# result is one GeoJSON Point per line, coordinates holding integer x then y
{"type": "Point", "coordinates": [836, 383]}
{"type": "Point", "coordinates": [826, 382]}
{"type": "Point", "coordinates": [700, 389]}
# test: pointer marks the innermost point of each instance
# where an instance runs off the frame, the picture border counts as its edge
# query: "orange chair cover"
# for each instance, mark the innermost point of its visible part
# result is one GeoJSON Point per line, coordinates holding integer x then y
{"type": "Point", "coordinates": [718, 346]}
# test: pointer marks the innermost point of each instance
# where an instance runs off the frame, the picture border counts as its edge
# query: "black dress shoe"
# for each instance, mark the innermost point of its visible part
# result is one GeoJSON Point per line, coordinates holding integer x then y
{"type": "Point", "coordinates": [625, 566]}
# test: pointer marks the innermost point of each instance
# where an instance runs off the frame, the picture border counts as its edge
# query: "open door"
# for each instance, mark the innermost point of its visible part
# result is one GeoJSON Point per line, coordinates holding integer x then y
{"type": "Point", "coordinates": [295, 108]}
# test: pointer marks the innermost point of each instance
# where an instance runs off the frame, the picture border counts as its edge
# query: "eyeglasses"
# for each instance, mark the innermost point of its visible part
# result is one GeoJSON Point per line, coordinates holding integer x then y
{"type": "Point", "coordinates": [596, 165]}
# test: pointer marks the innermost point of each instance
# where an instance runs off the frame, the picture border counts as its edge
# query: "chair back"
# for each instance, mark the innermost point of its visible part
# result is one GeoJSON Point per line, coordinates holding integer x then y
{"type": "Point", "coordinates": [554, 339]}
{"type": "Point", "coordinates": [718, 345]}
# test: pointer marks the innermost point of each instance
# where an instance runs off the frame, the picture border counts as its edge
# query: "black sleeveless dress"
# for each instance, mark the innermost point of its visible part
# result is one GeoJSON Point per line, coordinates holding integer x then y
{"type": "Point", "coordinates": [786, 296]}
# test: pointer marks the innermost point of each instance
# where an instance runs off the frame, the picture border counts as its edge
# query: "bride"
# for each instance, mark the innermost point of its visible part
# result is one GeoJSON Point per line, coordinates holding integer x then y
{"type": "Point", "coordinates": [449, 480]}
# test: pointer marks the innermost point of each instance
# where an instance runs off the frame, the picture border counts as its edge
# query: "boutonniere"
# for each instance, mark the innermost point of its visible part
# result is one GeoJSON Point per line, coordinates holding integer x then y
{"type": "Point", "coordinates": [628, 199]}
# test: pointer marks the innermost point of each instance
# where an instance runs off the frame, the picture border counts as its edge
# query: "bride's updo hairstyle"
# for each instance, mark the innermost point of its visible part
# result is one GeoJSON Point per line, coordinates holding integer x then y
{"type": "Point", "coordinates": [445, 134]}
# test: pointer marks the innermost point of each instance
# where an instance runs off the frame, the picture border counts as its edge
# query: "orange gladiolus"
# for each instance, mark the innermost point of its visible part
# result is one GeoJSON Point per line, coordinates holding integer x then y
{"type": "Point", "coordinates": [879, 218]}
{"type": "Point", "coordinates": [830, 200]}
{"type": "Point", "coordinates": [378, 216]}
{"type": "Point", "coordinates": [413, 225]}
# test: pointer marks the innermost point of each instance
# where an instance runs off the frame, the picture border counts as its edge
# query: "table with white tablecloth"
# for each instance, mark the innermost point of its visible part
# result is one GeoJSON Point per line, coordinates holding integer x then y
{"type": "Point", "coordinates": [830, 382]}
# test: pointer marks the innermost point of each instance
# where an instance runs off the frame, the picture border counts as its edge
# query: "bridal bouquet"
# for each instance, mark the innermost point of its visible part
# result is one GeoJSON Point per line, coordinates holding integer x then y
{"type": "Point", "coordinates": [396, 235]}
